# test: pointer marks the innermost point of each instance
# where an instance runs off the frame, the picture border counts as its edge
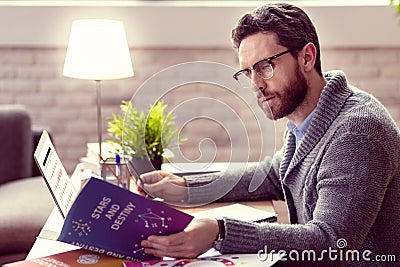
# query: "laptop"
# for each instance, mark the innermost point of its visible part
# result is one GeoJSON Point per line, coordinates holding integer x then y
{"type": "Point", "coordinates": [54, 174]}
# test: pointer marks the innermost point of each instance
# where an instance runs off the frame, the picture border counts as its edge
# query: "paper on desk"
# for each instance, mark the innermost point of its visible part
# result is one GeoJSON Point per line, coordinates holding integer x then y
{"type": "Point", "coordinates": [239, 212]}
{"type": "Point", "coordinates": [245, 260]}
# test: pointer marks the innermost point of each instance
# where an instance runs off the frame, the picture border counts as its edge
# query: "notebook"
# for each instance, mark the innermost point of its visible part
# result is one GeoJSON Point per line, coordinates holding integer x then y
{"type": "Point", "coordinates": [54, 174]}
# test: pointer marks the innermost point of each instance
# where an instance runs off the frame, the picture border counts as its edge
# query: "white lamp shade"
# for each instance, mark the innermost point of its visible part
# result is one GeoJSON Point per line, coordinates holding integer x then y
{"type": "Point", "coordinates": [97, 50]}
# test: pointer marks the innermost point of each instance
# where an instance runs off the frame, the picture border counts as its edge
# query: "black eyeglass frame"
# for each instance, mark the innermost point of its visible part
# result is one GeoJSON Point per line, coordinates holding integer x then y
{"type": "Point", "coordinates": [268, 60]}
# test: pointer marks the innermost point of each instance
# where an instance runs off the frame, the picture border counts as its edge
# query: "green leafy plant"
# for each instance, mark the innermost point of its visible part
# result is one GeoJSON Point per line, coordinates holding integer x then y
{"type": "Point", "coordinates": [396, 4]}
{"type": "Point", "coordinates": [141, 134]}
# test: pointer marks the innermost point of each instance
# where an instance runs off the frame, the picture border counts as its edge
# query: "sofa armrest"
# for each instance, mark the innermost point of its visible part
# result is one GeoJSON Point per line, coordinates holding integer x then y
{"type": "Point", "coordinates": [16, 147]}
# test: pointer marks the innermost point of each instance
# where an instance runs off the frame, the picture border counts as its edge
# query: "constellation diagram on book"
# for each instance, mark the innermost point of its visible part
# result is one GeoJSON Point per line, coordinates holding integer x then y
{"type": "Point", "coordinates": [153, 220]}
{"type": "Point", "coordinates": [139, 248]}
{"type": "Point", "coordinates": [81, 228]}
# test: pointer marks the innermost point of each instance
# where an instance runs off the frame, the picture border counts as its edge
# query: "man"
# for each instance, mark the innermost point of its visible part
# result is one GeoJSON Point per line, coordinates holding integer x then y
{"type": "Point", "coordinates": [339, 168]}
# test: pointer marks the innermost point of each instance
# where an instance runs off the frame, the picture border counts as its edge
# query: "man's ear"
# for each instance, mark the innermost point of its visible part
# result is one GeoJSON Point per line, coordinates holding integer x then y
{"type": "Point", "coordinates": [307, 57]}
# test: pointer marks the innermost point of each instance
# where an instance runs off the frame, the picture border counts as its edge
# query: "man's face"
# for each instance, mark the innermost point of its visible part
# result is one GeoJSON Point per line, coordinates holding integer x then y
{"type": "Point", "coordinates": [282, 94]}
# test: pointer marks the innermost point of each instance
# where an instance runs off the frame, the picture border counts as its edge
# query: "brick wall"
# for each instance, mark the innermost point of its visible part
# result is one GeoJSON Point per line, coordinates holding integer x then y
{"type": "Point", "coordinates": [33, 77]}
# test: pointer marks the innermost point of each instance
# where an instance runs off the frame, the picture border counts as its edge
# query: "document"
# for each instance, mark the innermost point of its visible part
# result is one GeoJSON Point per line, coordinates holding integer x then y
{"type": "Point", "coordinates": [243, 260]}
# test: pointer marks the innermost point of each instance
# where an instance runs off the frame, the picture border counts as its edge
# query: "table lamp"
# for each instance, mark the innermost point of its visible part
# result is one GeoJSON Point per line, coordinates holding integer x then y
{"type": "Point", "coordinates": [98, 50]}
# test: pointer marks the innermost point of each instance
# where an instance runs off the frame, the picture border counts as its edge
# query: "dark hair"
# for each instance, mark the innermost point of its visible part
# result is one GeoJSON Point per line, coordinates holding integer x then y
{"type": "Point", "coordinates": [291, 25]}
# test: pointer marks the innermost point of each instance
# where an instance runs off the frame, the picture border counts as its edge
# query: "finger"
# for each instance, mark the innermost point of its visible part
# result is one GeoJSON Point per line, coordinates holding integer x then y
{"type": "Point", "coordinates": [154, 187]}
{"type": "Point", "coordinates": [159, 189]}
{"type": "Point", "coordinates": [168, 240]}
{"type": "Point", "coordinates": [153, 177]}
{"type": "Point", "coordinates": [150, 177]}
{"type": "Point", "coordinates": [163, 253]}
{"type": "Point", "coordinates": [154, 252]}
{"type": "Point", "coordinates": [168, 246]}
{"type": "Point", "coordinates": [140, 190]}
{"type": "Point", "coordinates": [180, 250]}
{"type": "Point", "coordinates": [162, 242]}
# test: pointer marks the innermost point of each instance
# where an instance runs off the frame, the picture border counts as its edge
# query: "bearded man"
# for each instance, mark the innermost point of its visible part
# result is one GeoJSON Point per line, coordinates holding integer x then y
{"type": "Point", "coordinates": [338, 170]}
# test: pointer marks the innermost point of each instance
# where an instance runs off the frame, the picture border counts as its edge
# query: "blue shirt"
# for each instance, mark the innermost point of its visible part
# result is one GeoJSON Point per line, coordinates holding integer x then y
{"type": "Point", "coordinates": [300, 130]}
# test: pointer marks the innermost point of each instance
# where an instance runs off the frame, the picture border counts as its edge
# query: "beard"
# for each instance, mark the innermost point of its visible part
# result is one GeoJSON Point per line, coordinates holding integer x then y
{"type": "Point", "coordinates": [289, 99]}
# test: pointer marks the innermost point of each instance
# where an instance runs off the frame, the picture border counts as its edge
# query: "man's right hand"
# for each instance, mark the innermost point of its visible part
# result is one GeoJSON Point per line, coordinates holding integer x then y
{"type": "Point", "coordinates": [163, 185]}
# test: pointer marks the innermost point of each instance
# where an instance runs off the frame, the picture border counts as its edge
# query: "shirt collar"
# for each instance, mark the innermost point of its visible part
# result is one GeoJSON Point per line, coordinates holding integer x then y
{"type": "Point", "coordinates": [300, 130]}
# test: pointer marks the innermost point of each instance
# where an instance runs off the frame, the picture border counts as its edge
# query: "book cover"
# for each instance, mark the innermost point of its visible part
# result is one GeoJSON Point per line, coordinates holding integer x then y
{"type": "Point", "coordinates": [73, 258]}
{"type": "Point", "coordinates": [243, 260]}
{"type": "Point", "coordinates": [113, 221]}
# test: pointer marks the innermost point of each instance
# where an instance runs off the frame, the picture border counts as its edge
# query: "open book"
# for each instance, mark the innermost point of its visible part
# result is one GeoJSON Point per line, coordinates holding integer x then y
{"type": "Point", "coordinates": [111, 220]}
{"type": "Point", "coordinates": [103, 217]}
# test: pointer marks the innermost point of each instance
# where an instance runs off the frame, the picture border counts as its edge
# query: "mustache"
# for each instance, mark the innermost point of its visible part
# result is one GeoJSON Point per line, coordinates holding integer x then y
{"type": "Point", "coordinates": [263, 94]}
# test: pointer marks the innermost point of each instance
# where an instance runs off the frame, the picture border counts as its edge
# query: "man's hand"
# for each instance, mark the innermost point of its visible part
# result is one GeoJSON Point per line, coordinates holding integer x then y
{"type": "Point", "coordinates": [164, 185]}
{"type": "Point", "coordinates": [196, 239]}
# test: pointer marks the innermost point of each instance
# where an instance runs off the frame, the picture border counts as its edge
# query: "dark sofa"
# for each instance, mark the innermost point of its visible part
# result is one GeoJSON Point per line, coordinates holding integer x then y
{"type": "Point", "coordinates": [25, 202]}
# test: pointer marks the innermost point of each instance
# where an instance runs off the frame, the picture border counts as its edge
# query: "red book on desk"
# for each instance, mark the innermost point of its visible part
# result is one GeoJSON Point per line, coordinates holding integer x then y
{"type": "Point", "coordinates": [74, 258]}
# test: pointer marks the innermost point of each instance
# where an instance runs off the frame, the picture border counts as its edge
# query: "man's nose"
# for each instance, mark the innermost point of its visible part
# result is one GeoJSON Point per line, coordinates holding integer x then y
{"type": "Point", "coordinates": [258, 83]}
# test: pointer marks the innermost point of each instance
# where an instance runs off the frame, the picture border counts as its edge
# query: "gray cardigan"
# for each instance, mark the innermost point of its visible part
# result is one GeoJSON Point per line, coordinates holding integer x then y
{"type": "Point", "coordinates": [341, 185]}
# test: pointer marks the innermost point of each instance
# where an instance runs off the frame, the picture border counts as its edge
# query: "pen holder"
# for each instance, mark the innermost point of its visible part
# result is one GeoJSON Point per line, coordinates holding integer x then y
{"type": "Point", "coordinates": [116, 173]}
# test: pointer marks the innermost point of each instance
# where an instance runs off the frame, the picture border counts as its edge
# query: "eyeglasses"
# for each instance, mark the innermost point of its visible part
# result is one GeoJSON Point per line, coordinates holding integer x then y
{"type": "Point", "coordinates": [263, 68]}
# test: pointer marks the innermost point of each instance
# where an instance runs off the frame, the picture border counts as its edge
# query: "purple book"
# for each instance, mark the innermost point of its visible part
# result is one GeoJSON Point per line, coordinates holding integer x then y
{"type": "Point", "coordinates": [111, 220]}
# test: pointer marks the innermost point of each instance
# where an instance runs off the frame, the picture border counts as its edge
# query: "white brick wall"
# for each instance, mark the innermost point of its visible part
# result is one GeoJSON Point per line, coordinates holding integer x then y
{"type": "Point", "coordinates": [33, 77]}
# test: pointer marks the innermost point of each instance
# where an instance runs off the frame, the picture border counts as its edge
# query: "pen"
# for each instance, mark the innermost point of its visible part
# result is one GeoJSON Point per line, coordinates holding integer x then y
{"type": "Point", "coordinates": [117, 161]}
{"type": "Point", "coordinates": [118, 170]}
{"type": "Point", "coordinates": [110, 169]}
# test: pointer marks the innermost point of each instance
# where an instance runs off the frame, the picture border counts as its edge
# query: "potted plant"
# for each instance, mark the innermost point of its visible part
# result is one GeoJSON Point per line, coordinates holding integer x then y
{"type": "Point", "coordinates": [396, 4]}
{"type": "Point", "coordinates": [144, 137]}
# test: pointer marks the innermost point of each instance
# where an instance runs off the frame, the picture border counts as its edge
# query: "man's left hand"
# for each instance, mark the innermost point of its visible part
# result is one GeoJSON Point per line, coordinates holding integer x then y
{"type": "Point", "coordinates": [196, 239]}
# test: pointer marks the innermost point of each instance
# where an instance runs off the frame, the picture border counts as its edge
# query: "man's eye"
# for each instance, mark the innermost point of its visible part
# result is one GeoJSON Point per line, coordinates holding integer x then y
{"type": "Point", "coordinates": [264, 66]}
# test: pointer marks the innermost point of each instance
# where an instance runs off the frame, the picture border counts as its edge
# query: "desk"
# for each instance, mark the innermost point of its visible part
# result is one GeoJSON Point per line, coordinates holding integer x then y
{"type": "Point", "coordinates": [45, 247]}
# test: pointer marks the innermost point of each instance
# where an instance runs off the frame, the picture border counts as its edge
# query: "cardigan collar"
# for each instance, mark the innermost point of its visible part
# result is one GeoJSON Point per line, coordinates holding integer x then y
{"type": "Point", "coordinates": [331, 101]}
